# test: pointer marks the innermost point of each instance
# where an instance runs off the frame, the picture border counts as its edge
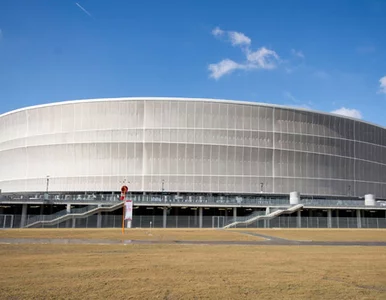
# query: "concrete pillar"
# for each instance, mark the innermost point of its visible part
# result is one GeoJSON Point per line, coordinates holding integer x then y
{"type": "Point", "coordinates": [23, 215]}
{"type": "Point", "coordinates": [329, 219]}
{"type": "Point", "coordinates": [195, 217]}
{"type": "Point", "coordinates": [267, 222]}
{"type": "Point", "coordinates": [165, 216]}
{"type": "Point", "coordinates": [68, 209]}
{"type": "Point", "coordinates": [234, 213]}
{"type": "Point", "coordinates": [359, 220]}
{"type": "Point", "coordinates": [299, 219]}
{"type": "Point", "coordinates": [200, 213]}
{"type": "Point", "coordinates": [337, 218]}
{"type": "Point", "coordinates": [99, 218]}
{"type": "Point", "coordinates": [294, 198]}
{"type": "Point", "coordinates": [73, 223]}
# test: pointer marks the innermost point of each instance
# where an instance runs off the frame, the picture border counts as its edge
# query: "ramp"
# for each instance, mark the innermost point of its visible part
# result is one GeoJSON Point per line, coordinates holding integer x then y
{"type": "Point", "coordinates": [252, 218]}
{"type": "Point", "coordinates": [64, 215]}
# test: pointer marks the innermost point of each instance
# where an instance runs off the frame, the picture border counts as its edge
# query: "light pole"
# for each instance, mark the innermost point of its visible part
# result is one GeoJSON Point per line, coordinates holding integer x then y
{"type": "Point", "coordinates": [128, 187]}
{"type": "Point", "coordinates": [48, 183]}
{"type": "Point", "coordinates": [122, 183]}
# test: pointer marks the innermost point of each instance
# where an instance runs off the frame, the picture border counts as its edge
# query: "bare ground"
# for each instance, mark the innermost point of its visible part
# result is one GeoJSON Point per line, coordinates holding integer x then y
{"type": "Point", "coordinates": [131, 234]}
{"type": "Point", "coordinates": [191, 272]}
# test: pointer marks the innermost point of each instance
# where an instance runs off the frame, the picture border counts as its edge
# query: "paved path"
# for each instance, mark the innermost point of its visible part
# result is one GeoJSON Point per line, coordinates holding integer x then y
{"type": "Point", "coordinates": [272, 240]}
{"type": "Point", "coordinates": [268, 242]}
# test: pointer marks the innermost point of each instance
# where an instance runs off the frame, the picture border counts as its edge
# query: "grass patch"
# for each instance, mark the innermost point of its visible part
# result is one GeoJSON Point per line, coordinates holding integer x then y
{"type": "Point", "coordinates": [131, 234]}
{"type": "Point", "coordinates": [191, 272]}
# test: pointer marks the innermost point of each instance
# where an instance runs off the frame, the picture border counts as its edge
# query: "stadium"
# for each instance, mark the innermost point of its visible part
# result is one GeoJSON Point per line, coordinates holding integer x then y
{"type": "Point", "coordinates": [190, 162]}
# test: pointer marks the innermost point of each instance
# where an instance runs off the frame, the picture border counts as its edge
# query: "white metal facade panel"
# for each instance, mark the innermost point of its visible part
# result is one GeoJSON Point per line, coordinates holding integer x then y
{"type": "Point", "coordinates": [192, 145]}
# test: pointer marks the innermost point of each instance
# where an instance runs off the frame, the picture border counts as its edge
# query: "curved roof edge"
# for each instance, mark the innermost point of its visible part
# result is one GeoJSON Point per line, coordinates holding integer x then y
{"type": "Point", "coordinates": [187, 99]}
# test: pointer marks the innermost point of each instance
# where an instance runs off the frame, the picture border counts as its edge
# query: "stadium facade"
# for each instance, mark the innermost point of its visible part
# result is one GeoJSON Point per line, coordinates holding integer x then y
{"type": "Point", "coordinates": [181, 148]}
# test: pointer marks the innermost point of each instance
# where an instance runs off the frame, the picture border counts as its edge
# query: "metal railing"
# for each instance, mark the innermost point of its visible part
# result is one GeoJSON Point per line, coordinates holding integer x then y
{"type": "Point", "coordinates": [327, 202]}
{"type": "Point", "coordinates": [267, 216]}
{"type": "Point", "coordinates": [46, 218]}
{"type": "Point", "coordinates": [141, 221]}
{"type": "Point", "coordinates": [77, 213]}
{"type": "Point", "coordinates": [180, 199]}
{"type": "Point", "coordinates": [245, 218]}
{"type": "Point", "coordinates": [319, 222]}
{"type": "Point", "coordinates": [7, 221]}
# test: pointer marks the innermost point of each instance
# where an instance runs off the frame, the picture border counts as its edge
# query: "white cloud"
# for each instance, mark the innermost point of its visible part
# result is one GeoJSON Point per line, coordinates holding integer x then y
{"type": "Point", "coordinates": [290, 96]}
{"type": "Point", "coordinates": [238, 38]}
{"type": "Point", "coordinates": [366, 49]}
{"type": "Point", "coordinates": [348, 112]}
{"type": "Point", "coordinates": [382, 86]}
{"type": "Point", "coordinates": [321, 74]}
{"type": "Point", "coordinates": [226, 66]}
{"type": "Point", "coordinates": [217, 31]}
{"type": "Point", "coordinates": [289, 70]}
{"type": "Point", "coordinates": [263, 58]}
{"type": "Point", "coordinates": [82, 8]}
{"type": "Point", "coordinates": [297, 53]}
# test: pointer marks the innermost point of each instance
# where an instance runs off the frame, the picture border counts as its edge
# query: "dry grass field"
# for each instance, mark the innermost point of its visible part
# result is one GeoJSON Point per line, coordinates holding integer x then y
{"type": "Point", "coordinates": [200, 234]}
{"type": "Point", "coordinates": [323, 234]}
{"type": "Point", "coordinates": [191, 272]}
{"type": "Point", "coordinates": [131, 234]}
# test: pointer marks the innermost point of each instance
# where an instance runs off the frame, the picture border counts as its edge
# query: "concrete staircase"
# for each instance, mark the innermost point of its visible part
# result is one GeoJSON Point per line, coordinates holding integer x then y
{"type": "Point", "coordinates": [75, 214]}
{"type": "Point", "coordinates": [253, 218]}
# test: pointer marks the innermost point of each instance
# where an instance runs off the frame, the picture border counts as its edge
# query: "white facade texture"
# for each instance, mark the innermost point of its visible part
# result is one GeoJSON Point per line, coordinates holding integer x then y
{"type": "Point", "coordinates": [193, 145]}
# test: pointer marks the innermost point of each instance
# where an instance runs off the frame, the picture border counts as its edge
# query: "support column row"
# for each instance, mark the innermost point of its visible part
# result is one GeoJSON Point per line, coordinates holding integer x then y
{"type": "Point", "coordinates": [99, 218]}
{"type": "Point", "coordinates": [329, 218]}
{"type": "Point", "coordinates": [299, 219]}
{"type": "Point", "coordinates": [165, 217]}
{"type": "Point", "coordinates": [359, 220]}
{"type": "Point", "coordinates": [200, 216]}
{"type": "Point", "coordinates": [267, 222]}
{"type": "Point", "coordinates": [23, 215]}
{"type": "Point", "coordinates": [68, 210]}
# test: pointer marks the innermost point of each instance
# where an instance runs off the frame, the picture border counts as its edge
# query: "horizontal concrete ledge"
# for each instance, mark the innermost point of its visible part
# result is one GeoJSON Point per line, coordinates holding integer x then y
{"type": "Point", "coordinates": [163, 204]}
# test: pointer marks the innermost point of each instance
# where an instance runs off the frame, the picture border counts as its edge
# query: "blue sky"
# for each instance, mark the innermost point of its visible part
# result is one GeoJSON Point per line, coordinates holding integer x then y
{"type": "Point", "coordinates": [324, 55]}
